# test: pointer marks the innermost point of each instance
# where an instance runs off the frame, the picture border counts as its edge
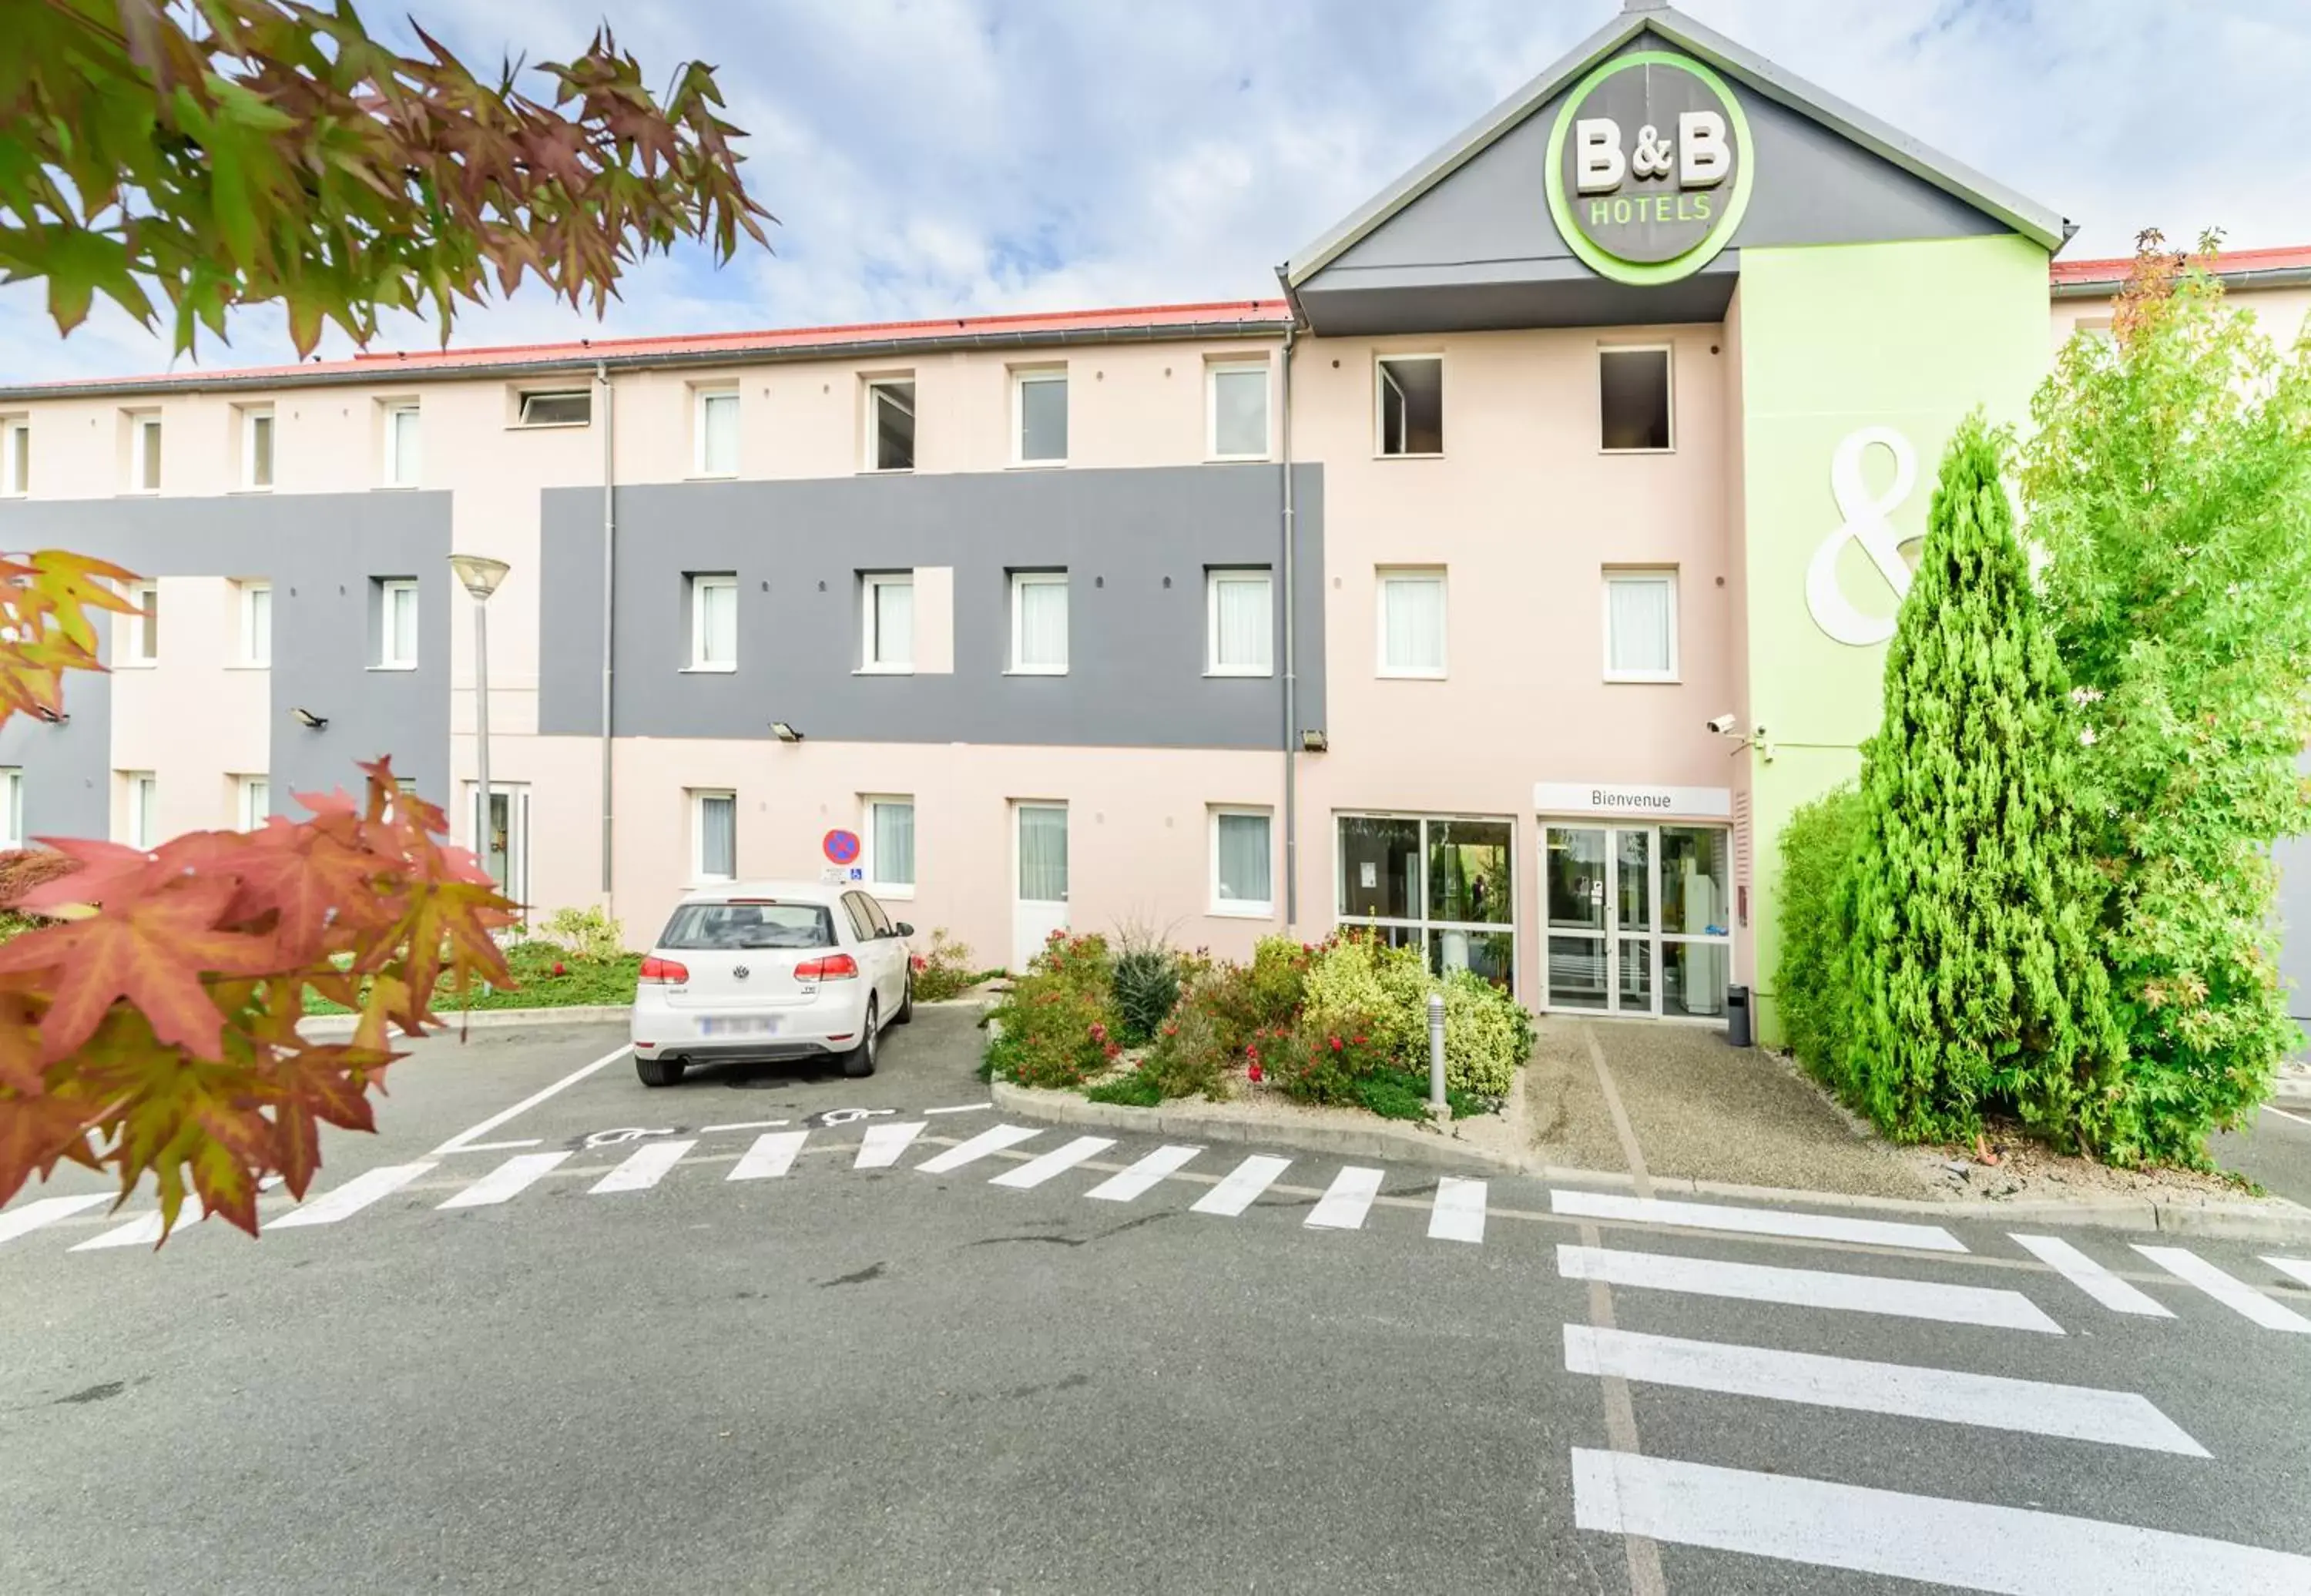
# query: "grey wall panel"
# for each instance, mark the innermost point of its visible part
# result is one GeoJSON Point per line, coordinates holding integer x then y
{"type": "Point", "coordinates": [320, 553]}
{"type": "Point", "coordinates": [1136, 647]}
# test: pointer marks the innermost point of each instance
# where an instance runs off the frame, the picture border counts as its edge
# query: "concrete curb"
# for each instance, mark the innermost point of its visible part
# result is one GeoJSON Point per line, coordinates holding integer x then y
{"type": "Point", "coordinates": [324, 1027]}
{"type": "Point", "coordinates": [2290, 1096]}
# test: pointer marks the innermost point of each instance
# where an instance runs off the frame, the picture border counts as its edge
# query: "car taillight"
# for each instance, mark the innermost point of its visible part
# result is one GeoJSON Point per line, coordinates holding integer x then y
{"type": "Point", "coordinates": [657, 972]}
{"type": "Point", "coordinates": [835, 966]}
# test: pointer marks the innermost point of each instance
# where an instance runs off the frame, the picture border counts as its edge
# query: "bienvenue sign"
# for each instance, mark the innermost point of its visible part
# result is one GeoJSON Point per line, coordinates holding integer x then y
{"type": "Point", "coordinates": [1631, 798]}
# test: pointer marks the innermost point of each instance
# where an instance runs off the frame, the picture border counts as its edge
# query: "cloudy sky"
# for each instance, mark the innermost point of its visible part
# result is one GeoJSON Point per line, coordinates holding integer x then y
{"type": "Point", "coordinates": [931, 157]}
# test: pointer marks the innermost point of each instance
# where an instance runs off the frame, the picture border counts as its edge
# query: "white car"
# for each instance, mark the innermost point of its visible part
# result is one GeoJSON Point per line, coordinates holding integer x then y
{"type": "Point", "coordinates": [772, 970]}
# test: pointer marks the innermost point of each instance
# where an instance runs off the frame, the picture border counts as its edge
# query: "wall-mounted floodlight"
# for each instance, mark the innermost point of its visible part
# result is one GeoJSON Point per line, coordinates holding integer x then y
{"type": "Point", "coordinates": [1313, 741]}
{"type": "Point", "coordinates": [785, 733]}
{"type": "Point", "coordinates": [309, 721]}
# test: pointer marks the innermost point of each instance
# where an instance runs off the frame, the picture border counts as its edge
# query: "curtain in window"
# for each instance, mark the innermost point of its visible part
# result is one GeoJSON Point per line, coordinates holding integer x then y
{"type": "Point", "coordinates": [1243, 617]}
{"type": "Point", "coordinates": [894, 623]}
{"type": "Point", "coordinates": [1413, 616]}
{"type": "Point", "coordinates": [1043, 625]}
{"type": "Point", "coordinates": [404, 449]}
{"type": "Point", "coordinates": [1243, 843]}
{"type": "Point", "coordinates": [1641, 618]}
{"type": "Point", "coordinates": [894, 829]}
{"type": "Point", "coordinates": [718, 623]}
{"type": "Point", "coordinates": [1240, 412]}
{"type": "Point", "coordinates": [403, 603]}
{"type": "Point", "coordinates": [718, 837]}
{"type": "Point", "coordinates": [259, 641]}
{"type": "Point", "coordinates": [11, 783]}
{"type": "Point", "coordinates": [720, 421]}
{"type": "Point", "coordinates": [1043, 855]}
{"type": "Point", "coordinates": [260, 451]}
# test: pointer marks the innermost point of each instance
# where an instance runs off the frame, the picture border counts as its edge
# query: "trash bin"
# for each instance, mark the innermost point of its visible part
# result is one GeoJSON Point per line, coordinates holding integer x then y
{"type": "Point", "coordinates": [1737, 1016]}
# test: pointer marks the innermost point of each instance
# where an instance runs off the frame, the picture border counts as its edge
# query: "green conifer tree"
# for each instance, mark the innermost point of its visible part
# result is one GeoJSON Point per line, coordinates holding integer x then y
{"type": "Point", "coordinates": [1968, 901]}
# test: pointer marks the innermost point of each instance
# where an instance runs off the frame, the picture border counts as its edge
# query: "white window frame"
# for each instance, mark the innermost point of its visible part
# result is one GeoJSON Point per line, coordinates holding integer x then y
{"type": "Point", "coordinates": [15, 457]}
{"type": "Point", "coordinates": [12, 806]}
{"type": "Point", "coordinates": [387, 592]}
{"type": "Point", "coordinates": [870, 637]}
{"type": "Point", "coordinates": [1669, 383]}
{"type": "Point", "coordinates": [523, 396]}
{"type": "Point", "coordinates": [1238, 907]}
{"type": "Point", "coordinates": [139, 447]}
{"type": "Point", "coordinates": [698, 800]}
{"type": "Point", "coordinates": [253, 649]}
{"type": "Point", "coordinates": [1664, 575]}
{"type": "Point", "coordinates": [1212, 578]}
{"type": "Point", "coordinates": [1382, 578]}
{"type": "Point", "coordinates": [867, 837]}
{"type": "Point", "coordinates": [700, 397]}
{"type": "Point", "coordinates": [870, 455]}
{"type": "Point", "coordinates": [136, 651]}
{"type": "Point", "coordinates": [1381, 362]}
{"type": "Point", "coordinates": [251, 414]}
{"type": "Point", "coordinates": [1213, 372]}
{"type": "Point", "coordinates": [144, 795]}
{"type": "Point", "coordinates": [248, 813]}
{"type": "Point", "coordinates": [1022, 378]}
{"type": "Point", "coordinates": [390, 467]}
{"type": "Point", "coordinates": [701, 584]}
{"type": "Point", "coordinates": [1020, 579]}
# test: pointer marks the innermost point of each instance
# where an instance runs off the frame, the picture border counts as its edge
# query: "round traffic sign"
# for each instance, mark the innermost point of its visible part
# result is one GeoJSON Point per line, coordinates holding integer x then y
{"type": "Point", "coordinates": [841, 847]}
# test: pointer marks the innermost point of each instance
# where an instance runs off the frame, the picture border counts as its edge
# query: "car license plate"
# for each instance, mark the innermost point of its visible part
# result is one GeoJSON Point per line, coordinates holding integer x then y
{"type": "Point", "coordinates": [738, 1025]}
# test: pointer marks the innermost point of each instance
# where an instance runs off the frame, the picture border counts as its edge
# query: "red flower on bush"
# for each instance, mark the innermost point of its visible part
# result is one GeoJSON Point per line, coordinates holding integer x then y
{"type": "Point", "coordinates": [1254, 1071]}
{"type": "Point", "coordinates": [560, 968]}
{"type": "Point", "coordinates": [1336, 1044]}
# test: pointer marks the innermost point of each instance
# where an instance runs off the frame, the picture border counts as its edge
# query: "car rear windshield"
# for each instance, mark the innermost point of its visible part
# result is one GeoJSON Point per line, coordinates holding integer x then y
{"type": "Point", "coordinates": [749, 925]}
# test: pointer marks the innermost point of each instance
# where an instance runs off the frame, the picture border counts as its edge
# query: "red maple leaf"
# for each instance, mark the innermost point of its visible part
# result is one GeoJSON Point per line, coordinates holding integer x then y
{"type": "Point", "coordinates": [34, 1133]}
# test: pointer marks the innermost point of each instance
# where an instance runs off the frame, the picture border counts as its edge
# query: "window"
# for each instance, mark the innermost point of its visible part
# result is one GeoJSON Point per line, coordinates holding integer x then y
{"type": "Point", "coordinates": [861, 918]}
{"type": "Point", "coordinates": [1641, 626]}
{"type": "Point", "coordinates": [714, 622]}
{"type": "Point", "coordinates": [717, 429]}
{"type": "Point", "coordinates": [15, 457]}
{"type": "Point", "coordinates": [891, 425]}
{"type": "Point", "coordinates": [140, 634]}
{"type": "Point", "coordinates": [143, 810]}
{"type": "Point", "coordinates": [1632, 398]}
{"type": "Point", "coordinates": [144, 451]}
{"type": "Point", "coordinates": [256, 624]}
{"type": "Point", "coordinates": [713, 836]}
{"type": "Point", "coordinates": [256, 450]}
{"type": "Point", "coordinates": [12, 808]}
{"type": "Point", "coordinates": [1240, 624]}
{"type": "Point", "coordinates": [1243, 873]}
{"type": "Point", "coordinates": [1039, 414]}
{"type": "Point", "coordinates": [1411, 623]}
{"type": "Point", "coordinates": [396, 629]}
{"type": "Point", "coordinates": [403, 464]}
{"type": "Point", "coordinates": [1444, 884]}
{"type": "Point", "coordinates": [887, 621]}
{"type": "Point", "coordinates": [1039, 623]}
{"type": "Point", "coordinates": [557, 407]}
{"type": "Point", "coordinates": [1411, 395]}
{"type": "Point", "coordinates": [254, 796]}
{"type": "Point", "coordinates": [891, 843]}
{"type": "Point", "coordinates": [1237, 406]}
{"type": "Point", "coordinates": [701, 926]}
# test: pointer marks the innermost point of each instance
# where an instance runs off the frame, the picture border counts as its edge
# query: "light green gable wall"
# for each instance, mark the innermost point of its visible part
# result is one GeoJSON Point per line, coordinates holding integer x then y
{"type": "Point", "coordinates": [1836, 338]}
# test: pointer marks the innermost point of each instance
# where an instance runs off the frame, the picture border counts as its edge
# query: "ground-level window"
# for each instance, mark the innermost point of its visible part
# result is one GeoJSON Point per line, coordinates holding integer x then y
{"type": "Point", "coordinates": [1639, 918]}
{"type": "Point", "coordinates": [1445, 885]}
{"type": "Point", "coordinates": [890, 842]}
{"type": "Point", "coordinates": [503, 840]}
{"type": "Point", "coordinates": [1243, 872]}
{"type": "Point", "coordinates": [713, 836]}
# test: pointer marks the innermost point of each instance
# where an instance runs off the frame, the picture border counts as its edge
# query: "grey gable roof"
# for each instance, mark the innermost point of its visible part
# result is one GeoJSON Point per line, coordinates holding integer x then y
{"type": "Point", "coordinates": [2027, 216]}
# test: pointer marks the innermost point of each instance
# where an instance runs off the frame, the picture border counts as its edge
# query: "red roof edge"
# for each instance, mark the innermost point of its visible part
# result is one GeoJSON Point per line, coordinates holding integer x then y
{"type": "Point", "coordinates": [2229, 262]}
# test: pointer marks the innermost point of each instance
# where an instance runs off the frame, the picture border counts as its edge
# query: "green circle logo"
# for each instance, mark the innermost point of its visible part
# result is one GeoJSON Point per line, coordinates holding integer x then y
{"type": "Point", "coordinates": [1649, 168]}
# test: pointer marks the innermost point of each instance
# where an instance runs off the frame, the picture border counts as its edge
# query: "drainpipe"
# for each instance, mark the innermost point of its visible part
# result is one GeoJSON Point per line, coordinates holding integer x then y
{"type": "Point", "coordinates": [609, 572]}
{"type": "Point", "coordinates": [1291, 659]}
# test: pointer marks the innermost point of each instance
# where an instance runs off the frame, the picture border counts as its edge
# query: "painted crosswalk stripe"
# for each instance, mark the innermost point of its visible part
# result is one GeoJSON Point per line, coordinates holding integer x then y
{"type": "Point", "coordinates": [993, 1139]}
{"type": "Point", "coordinates": [2235, 1294]}
{"type": "Point", "coordinates": [1134, 1182]}
{"type": "Point", "coordinates": [2073, 1412]}
{"type": "Point", "coordinates": [1703, 1215]}
{"type": "Point", "coordinates": [145, 1229]}
{"type": "Point", "coordinates": [2299, 1268]}
{"type": "Point", "coordinates": [1242, 1185]}
{"type": "Point", "coordinates": [44, 1211]}
{"type": "Point", "coordinates": [507, 1182]}
{"type": "Point", "coordinates": [1346, 1199]}
{"type": "Point", "coordinates": [1970, 1546]}
{"type": "Point", "coordinates": [350, 1199]}
{"type": "Point", "coordinates": [2091, 1277]}
{"type": "Point", "coordinates": [1458, 1214]}
{"type": "Point", "coordinates": [643, 1168]}
{"type": "Point", "coordinates": [882, 1145]}
{"type": "Point", "coordinates": [1807, 1288]}
{"type": "Point", "coordinates": [770, 1158]}
{"type": "Point", "coordinates": [1058, 1161]}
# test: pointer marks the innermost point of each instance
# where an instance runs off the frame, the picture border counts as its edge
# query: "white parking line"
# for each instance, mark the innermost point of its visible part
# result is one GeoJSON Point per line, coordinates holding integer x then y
{"type": "Point", "coordinates": [458, 1142]}
{"type": "Point", "coordinates": [2237, 1295]}
{"type": "Point", "coordinates": [43, 1211]}
{"type": "Point", "coordinates": [993, 1139]}
{"type": "Point", "coordinates": [2092, 1278]}
{"type": "Point", "coordinates": [1058, 1161]}
{"type": "Point", "coordinates": [1242, 1184]}
{"type": "Point", "coordinates": [1347, 1200]}
{"type": "Point", "coordinates": [1989, 1401]}
{"type": "Point", "coordinates": [1458, 1214]}
{"type": "Point", "coordinates": [960, 1107]}
{"type": "Point", "coordinates": [1136, 1181]}
{"type": "Point", "coordinates": [508, 1180]}
{"type": "Point", "coordinates": [351, 1198]}
{"type": "Point", "coordinates": [145, 1229]}
{"type": "Point", "coordinates": [746, 1125]}
{"type": "Point", "coordinates": [770, 1158]}
{"type": "Point", "coordinates": [643, 1168]}
{"type": "Point", "coordinates": [2297, 1267]}
{"type": "Point", "coordinates": [1807, 1288]}
{"type": "Point", "coordinates": [495, 1146]}
{"type": "Point", "coordinates": [880, 1147]}
{"type": "Point", "coordinates": [1702, 1216]}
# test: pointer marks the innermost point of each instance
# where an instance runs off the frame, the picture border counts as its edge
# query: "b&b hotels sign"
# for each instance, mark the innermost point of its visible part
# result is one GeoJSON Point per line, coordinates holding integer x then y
{"type": "Point", "coordinates": [1649, 168]}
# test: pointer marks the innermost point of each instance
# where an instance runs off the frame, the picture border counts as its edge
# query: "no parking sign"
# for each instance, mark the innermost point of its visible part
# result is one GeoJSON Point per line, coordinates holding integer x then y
{"type": "Point", "coordinates": [841, 848]}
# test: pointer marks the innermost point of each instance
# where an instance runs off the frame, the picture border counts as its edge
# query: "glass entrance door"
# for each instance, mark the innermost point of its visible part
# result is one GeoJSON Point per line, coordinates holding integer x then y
{"type": "Point", "coordinates": [1636, 922]}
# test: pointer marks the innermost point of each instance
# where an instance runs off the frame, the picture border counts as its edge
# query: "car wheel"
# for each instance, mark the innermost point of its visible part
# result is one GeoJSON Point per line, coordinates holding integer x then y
{"type": "Point", "coordinates": [859, 1061]}
{"type": "Point", "coordinates": [907, 1003]}
{"type": "Point", "coordinates": [658, 1072]}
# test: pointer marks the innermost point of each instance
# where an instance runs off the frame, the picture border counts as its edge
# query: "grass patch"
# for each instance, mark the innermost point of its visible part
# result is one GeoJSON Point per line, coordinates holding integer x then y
{"type": "Point", "coordinates": [582, 983]}
{"type": "Point", "coordinates": [1402, 1094]}
{"type": "Point", "coordinates": [1137, 1087]}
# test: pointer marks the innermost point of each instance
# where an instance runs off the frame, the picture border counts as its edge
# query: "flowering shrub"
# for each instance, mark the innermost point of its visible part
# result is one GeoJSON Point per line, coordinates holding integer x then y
{"type": "Point", "coordinates": [1056, 1027]}
{"type": "Point", "coordinates": [1189, 1058]}
{"type": "Point", "coordinates": [946, 969]}
{"type": "Point", "coordinates": [1312, 1065]}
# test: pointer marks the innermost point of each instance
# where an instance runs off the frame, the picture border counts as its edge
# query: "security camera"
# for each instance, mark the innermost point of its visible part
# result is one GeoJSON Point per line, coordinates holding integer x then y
{"type": "Point", "coordinates": [1724, 725]}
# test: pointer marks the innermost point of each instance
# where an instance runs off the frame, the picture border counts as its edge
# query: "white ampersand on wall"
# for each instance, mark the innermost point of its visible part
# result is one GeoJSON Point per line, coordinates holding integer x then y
{"type": "Point", "coordinates": [1868, 521]}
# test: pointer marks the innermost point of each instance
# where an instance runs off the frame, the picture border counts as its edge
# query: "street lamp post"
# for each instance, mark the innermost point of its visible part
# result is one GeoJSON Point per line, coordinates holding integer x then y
{"type": "Point", "coordinates": [481, 575]}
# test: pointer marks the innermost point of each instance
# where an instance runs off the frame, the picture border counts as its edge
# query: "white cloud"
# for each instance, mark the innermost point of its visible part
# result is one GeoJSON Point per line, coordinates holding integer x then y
{"type": "Point", "coordinates": [934, 157]}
